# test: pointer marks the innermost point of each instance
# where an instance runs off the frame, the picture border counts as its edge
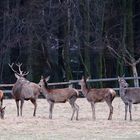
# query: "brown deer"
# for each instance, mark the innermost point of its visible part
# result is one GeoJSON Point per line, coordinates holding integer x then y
{"type": "Point", "coordinates": [128, 95]}
{"type": "Point", "coordinates": [1, 98]}
{"type": "Point", "coordinates": [24, 89]}
{"type": "Point", "coordinates": [97, 95]}
{"type": "Point", "coordinates": [59, 96]}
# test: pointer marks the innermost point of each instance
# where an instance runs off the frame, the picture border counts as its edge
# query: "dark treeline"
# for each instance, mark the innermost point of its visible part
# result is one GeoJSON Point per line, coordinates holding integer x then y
{"type": "Point", "coordinates": [69, 38]}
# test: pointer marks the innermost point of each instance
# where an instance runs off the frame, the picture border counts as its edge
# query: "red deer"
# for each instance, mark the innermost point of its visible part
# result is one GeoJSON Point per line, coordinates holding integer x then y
{"type": "Point", "coordinates": [59, 96]}
{"type": "Point", "coordinates": [24, 89]}
{"type": "Point", "coordinates": [97, 95]}
{"type": "Point", "coordinates": [1, 97]}
{"type": "Point", "coordinates": [128, 95]}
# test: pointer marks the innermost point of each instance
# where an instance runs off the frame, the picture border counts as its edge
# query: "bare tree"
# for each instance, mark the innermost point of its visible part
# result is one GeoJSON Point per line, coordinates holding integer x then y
{"type": "Point", "coordinates": [127, 57]}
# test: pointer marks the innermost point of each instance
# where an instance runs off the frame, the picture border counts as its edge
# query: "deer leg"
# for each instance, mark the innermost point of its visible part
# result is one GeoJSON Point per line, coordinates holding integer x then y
{"type": "Point", "coordinates": [109, 103]}
{"type": "Point", "coordinates": [74, 106]}
{"type": "Point", "coordinates": [111, 110]}
{"type": "Point", "coordinates": [51, 109]}
{"type": "Point", "coordinates": [71, 101]}
{"type": "Point", "coordinates": [1, 102]}
{"type": "Point", "coordinates": [35, 106]}
{"type": "Point", "coordinates": [130, 108]}
{"type": "Point", "coordinates": [77, 112]}
{"type": "Point", "coordinates": [17, 104]}
{"type": "Point", "coordinates": [93, 110]}
{"type": "Point", "coordinates": [126, 107]}
{"type": "Point", "coordinates": [21, 106]}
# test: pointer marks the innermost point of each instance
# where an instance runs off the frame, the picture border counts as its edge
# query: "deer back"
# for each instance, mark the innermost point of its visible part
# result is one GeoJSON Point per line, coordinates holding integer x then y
{"type": "Point", "coordinates": [100, 94]}
{"type": "Point", "coordinates": [133, 95]}
{"type": "Point", "coordinates": [60, 95]}
{"type": "Point", "coordinates": [35, 89]}
{"type": "Point", "coordinates": [30, 90]}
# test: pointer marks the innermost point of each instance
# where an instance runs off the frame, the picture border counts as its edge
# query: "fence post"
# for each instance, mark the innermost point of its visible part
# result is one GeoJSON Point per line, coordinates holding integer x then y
{"type": "Point", "coordinates": [70, 84]}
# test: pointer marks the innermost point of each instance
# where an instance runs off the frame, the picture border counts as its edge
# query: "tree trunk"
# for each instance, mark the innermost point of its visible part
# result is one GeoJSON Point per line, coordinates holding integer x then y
{"type": "Point", "coordinates": [129, 27]}
{"type": "Point", "coordinates": [135, 74]}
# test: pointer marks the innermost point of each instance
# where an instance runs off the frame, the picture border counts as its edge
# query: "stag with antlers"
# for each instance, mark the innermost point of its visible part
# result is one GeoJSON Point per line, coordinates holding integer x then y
{"type": "Point", "coordinates": [24, 89]}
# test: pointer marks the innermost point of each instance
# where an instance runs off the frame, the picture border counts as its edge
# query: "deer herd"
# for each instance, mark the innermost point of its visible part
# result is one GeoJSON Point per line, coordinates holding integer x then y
{"type": "Point", "coordinates": [23, 90]}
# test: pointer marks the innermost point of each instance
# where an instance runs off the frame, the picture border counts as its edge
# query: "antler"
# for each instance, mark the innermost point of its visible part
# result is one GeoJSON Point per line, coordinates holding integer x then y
{"type": "Point", "coordinates": [11, 66]}
{"type": "Point", "coordinates": [20, 73]}
{"type": "Point", "coordinates": [19, 68]}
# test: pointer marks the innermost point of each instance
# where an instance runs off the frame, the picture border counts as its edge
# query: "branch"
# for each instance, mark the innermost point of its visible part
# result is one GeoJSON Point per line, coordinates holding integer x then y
{"type": "Point", "coordinates": [125, 60]}
{"type": "Point", "coordinates": [137, 61]}
{"type": "Point", "coordinates": [130, 56]}
{"type": "Point", "coordinates": [113, 51]}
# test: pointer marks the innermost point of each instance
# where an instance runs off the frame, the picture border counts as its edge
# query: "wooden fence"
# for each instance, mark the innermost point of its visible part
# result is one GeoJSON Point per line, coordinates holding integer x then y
{"type": "Point", "coordinates": [7, 87]}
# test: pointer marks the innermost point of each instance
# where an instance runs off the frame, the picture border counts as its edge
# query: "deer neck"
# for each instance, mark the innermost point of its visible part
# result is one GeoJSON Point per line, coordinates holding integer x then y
{"type": "Point", "coordinates": [122, 91]}
{"type": "Point", "coordinates": [84, 89]}
{"type": "Point", "coordinates": [45, 88]}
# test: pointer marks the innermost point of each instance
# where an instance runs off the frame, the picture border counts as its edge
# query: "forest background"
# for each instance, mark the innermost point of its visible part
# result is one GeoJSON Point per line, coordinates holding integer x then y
{"type": "Point", "coordinates": [70, 38]}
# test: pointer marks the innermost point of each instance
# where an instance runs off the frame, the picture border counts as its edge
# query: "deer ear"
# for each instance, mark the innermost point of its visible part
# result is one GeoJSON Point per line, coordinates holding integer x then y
{"type": "Point", "coordinates": [123, 75]}
{"type": "Point", "coordinates": [118, 78]}
{"type": "Point", "coordinates": [88, 78]}
{"type": "Point", "coordinates": [17, 76]}
{"type": "Point", "coordinates": [47, 79]}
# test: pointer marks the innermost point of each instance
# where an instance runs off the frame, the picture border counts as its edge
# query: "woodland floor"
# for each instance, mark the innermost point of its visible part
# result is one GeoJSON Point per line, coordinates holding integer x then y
{"type": "Point", "coordinates": [62, 128]}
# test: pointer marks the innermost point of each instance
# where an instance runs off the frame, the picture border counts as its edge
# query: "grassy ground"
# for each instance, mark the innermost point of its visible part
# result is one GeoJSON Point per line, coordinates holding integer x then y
{"type": "Point", "coordinates": [62, 128]}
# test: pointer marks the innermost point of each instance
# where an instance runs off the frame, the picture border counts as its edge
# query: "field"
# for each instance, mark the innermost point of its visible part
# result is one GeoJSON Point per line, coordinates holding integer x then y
{"type": "Point", "coordinates": [62, 128]}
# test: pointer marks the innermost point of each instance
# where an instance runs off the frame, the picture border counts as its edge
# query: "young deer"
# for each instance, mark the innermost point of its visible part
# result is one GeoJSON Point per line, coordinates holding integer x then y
{"type": "Point", "coordinates": [24, 90]}
{"type": "Point", "coordinates": [97, 95]}
{"type": "Point", "coordinates": [59, 96]}
{"type": "Point", "coordinates": [1, 98]}
{"type": "Point", "coordinates": [128, 95]}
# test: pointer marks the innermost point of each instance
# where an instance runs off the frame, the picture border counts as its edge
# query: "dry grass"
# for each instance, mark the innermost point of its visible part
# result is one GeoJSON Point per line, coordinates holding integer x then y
{"type": "Point", "coordinates": [62, 128]}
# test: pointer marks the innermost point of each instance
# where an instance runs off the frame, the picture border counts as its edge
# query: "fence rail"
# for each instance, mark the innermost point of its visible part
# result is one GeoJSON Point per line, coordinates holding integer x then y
{"type": "Point", "coordinates": [70, 83]}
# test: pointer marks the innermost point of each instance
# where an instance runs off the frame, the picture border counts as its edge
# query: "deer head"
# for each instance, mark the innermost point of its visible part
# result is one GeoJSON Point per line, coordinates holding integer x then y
{"type": "Point", "coordinates": [43, 81]}
{"type": "Point", "coordinates": [122, 82]}
{"type": "Point", "coordinates": [83, 80]}
{"type": "Point", "coordinates": [20, 73]}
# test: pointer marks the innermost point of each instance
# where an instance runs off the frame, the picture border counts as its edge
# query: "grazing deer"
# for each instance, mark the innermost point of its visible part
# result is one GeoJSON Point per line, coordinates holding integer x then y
{"type": "Point", "coordinates": [128, 95]}
{"type": "Point", "coordinates": [97, 95]}
{"type": "Point", "coordinates": [59, 96]}
{"type": "Point", "coordinates": [2, 112]}
{"type": "Point", "coordinates": [1, 98]}
{"type": "Point", "coordinates": [24, 89]}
